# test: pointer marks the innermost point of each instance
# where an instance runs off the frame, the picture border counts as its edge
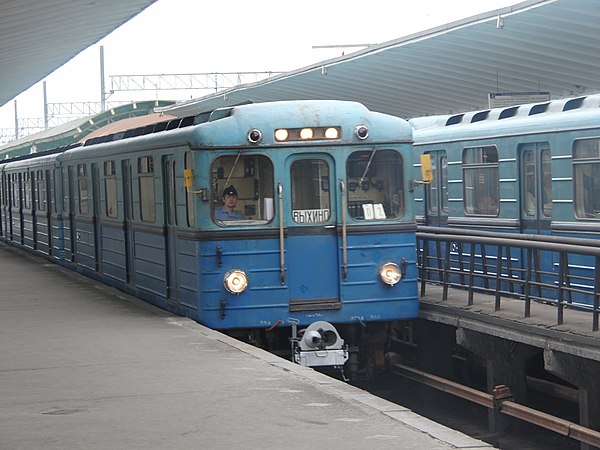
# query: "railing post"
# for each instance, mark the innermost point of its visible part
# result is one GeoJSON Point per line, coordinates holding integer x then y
{"type": "Point", "coordinates": [561, 281]}
{"type": "Point", "coordinates": [446, 270]}
{"type": "Point", "coordinates": [471, 273]}
{"type": "Point", "coordinates": [424, 263]}
{"type": "Point", "coordinates": [498, 278]}
{"type": "Point", "coordinates": [528, 282]}
{"type": "Point", "coordinates": [595, 313]}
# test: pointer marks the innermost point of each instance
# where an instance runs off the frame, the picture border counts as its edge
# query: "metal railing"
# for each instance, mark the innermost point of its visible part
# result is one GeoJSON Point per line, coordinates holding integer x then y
{"type": "Point", "coordinates": [561, 271]}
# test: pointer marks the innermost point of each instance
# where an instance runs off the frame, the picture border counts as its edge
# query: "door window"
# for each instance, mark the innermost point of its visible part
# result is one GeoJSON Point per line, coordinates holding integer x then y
{"type": "Point", "coordinates": [310, 191]}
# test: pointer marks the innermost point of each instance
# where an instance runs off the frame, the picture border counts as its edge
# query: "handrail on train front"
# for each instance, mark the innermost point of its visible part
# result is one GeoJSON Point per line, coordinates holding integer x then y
{"type": "Point", "coordinates": [281, 235]}
{"type": "Point", "coordinates": [451, 261]}
{"type": "Point", "coordinates": [344, 240]}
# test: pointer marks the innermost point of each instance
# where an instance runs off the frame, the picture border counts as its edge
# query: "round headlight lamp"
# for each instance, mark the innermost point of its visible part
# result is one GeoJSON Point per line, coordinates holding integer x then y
{"type": "Point", "coordinates": [390, 273]}
{"type": "Point", "coordinates": [235, 281]}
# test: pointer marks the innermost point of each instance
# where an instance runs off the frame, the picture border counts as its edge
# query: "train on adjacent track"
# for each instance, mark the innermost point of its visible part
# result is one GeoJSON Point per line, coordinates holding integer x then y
{"type": "Point", "coordinates": [529, 169]}
{"type": "Point", "coordinates": [285, 223]}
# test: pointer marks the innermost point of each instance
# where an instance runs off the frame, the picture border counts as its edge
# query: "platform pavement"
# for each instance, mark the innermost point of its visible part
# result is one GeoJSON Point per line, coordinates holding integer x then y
{"type": "Point", "coordinates": [84, 366]}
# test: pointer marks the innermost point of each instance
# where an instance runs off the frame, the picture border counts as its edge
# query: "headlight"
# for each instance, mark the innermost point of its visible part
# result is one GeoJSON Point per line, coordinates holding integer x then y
{"type": "Point", "coordinates": [235, 281]}
{"type": "Point", "coordinates": [390, 273]}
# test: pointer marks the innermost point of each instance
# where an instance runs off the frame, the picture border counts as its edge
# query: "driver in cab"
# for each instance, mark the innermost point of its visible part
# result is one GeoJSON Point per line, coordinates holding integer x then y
{"type": "Point", "coordinates": [227, 211]}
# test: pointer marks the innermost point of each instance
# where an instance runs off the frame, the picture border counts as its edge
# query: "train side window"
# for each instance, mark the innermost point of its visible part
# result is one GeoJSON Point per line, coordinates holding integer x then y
{"type": "Point", "coordinates": [146, 185]}
{"type": "Point", "coordinates": [26, 190]}
{"type": "Point", "coordinates": [586, 178]}
{"type": "Point", "coordinates": [53, 207]}
{"type": "Point", "coordinates": [82, 186]}
{"type": "Point", "coordinates": [110, 188]}
{"type": "Point", "coordinates": [481, 183]}
{"type": "Point", "coordinates": [40, 191]}
{"type": "Point", "coordinates": [16, 193]}
{"type": "Point", "coordinates": [529, 177]}
{"type": "Point", "coordinates": [250, 179]}
{"type": "Point", "coordinates": [310, 191]}
{"type": "Point", "coordinates": [547, 182]}
{"type": "Point", "coordinates": [375, 180]}
{"type": "Point", "coordinates": [190, 206]}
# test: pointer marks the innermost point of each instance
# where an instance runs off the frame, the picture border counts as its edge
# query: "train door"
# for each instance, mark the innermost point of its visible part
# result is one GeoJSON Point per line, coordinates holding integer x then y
{"type": "Point", "coordinates": [535, 188]}
{"type": "Point", "coordinates": [170, 221]}
{"type": "Point", "coordinates": [436, 192]}
{"type": "Point", "coordinates": [96, 225]}
{"type": "Point", "coordinates": [128, 223]}
{"type": "Point", "coordinates": [313, 271]}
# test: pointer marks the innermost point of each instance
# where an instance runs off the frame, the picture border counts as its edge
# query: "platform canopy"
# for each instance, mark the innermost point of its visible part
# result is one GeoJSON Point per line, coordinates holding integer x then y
{"type": "Point", "coordinates": [536, 46]}
{"type": "Point", "coordinates": [533, 49]}
{"type": "Point", "coordinates": [39, 36]}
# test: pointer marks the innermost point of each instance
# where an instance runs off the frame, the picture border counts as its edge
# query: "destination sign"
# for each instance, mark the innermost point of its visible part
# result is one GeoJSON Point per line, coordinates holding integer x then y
{"type": "Point", "coordinates": [310, 215]}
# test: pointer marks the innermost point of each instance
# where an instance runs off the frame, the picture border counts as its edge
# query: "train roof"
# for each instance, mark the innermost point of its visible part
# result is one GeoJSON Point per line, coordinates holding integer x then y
{"type": "Point", "coordinates": [582, 111]}
{"type": "Point", "coordinates": [289, 114]}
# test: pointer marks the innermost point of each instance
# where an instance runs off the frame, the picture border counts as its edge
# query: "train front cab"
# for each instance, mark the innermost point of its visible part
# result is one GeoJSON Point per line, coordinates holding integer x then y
{"type": "Point", "coordinates": [328, 236]}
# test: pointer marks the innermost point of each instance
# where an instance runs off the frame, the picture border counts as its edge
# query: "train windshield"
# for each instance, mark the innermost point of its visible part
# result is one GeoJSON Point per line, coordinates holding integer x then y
{"type": "Point", "coordinates": [375, 181]}
{"type": "Point", "coordinates": [242, 190]}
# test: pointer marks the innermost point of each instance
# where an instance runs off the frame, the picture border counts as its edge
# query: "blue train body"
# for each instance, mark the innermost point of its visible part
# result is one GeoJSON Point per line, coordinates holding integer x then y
{"type": "Point", "coordinates": [324, 228]}
{"type": "Point", "coordinates": [527, 169]}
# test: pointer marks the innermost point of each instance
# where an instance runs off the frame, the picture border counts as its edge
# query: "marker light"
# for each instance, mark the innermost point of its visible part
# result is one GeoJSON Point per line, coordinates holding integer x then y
{"type": "Point", "coordinates": [281, 134]}
{"type": "Point", "coordinates": [306, 133]}
{"type": "Point", "coordinates": [254, 136]}
{"type": "Point", "coordinates": [361, 132]}
{"type": "Point", "coordinates": [332, 133]}
{"type": "Point", "coordinates": [235, 281]}
{"type": "Point", "coordinates": [390, 273]}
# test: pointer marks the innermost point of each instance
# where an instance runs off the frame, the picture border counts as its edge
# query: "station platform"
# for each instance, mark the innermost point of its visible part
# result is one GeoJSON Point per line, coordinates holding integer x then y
{"type": "Point", "coordinates": [84, 366]}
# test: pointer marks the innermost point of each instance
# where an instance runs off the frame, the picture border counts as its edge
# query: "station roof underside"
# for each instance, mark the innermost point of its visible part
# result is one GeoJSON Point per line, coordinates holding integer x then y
{"type": "Point", "coordinates": [533, 46]}
{"type": "Point", "coordinates": [39, 36]}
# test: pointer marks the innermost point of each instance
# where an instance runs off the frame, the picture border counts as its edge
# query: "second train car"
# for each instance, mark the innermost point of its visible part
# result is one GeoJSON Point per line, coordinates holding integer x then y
{"type": "Point", "coordinates": [275, 222]}
{"type": "Point", "coordinates": [528, 169]}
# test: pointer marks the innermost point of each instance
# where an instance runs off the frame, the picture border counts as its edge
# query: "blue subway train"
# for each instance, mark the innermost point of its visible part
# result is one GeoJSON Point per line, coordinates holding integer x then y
{"type": "Point", "coordinates": [276, 222]}
{"type": "Point", "coordinates": [529, 169]}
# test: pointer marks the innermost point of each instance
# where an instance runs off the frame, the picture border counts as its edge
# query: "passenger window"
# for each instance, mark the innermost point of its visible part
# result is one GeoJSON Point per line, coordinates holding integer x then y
{"type": "Point", "coordinates": [189, 198]}
{"type": "Point", "coordinates": [242, 190]}
{"type": "Point", "coordinates": [146, 186]}
{"type": "Point", "coordinates": [374, 185]}
{"type": "Point", "coordinates": [40, 191]}
{"type": "Point", "coordinates": [586, 177]}
{"type": "Point", "coordinates": [481, 183]}
{"type": "Point", "coordinates": [15, 191]}
{"type": "Point", "coordinates": [83, 189]}
{"type": "Point", "coordinates": [547, 182]}
{"type": "Point", "coordinates": [26, 190]}
{"type": "Point", "coordinates": [110, 188]}
{"type": "Point", "coordinates": [529, 199]}
{"type": "Point", "coordinates": [310, 191]}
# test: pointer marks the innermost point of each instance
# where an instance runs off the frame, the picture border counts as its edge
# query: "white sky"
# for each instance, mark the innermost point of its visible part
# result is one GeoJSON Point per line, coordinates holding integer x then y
{"type": "Point", "coordinates": [192, 36]}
